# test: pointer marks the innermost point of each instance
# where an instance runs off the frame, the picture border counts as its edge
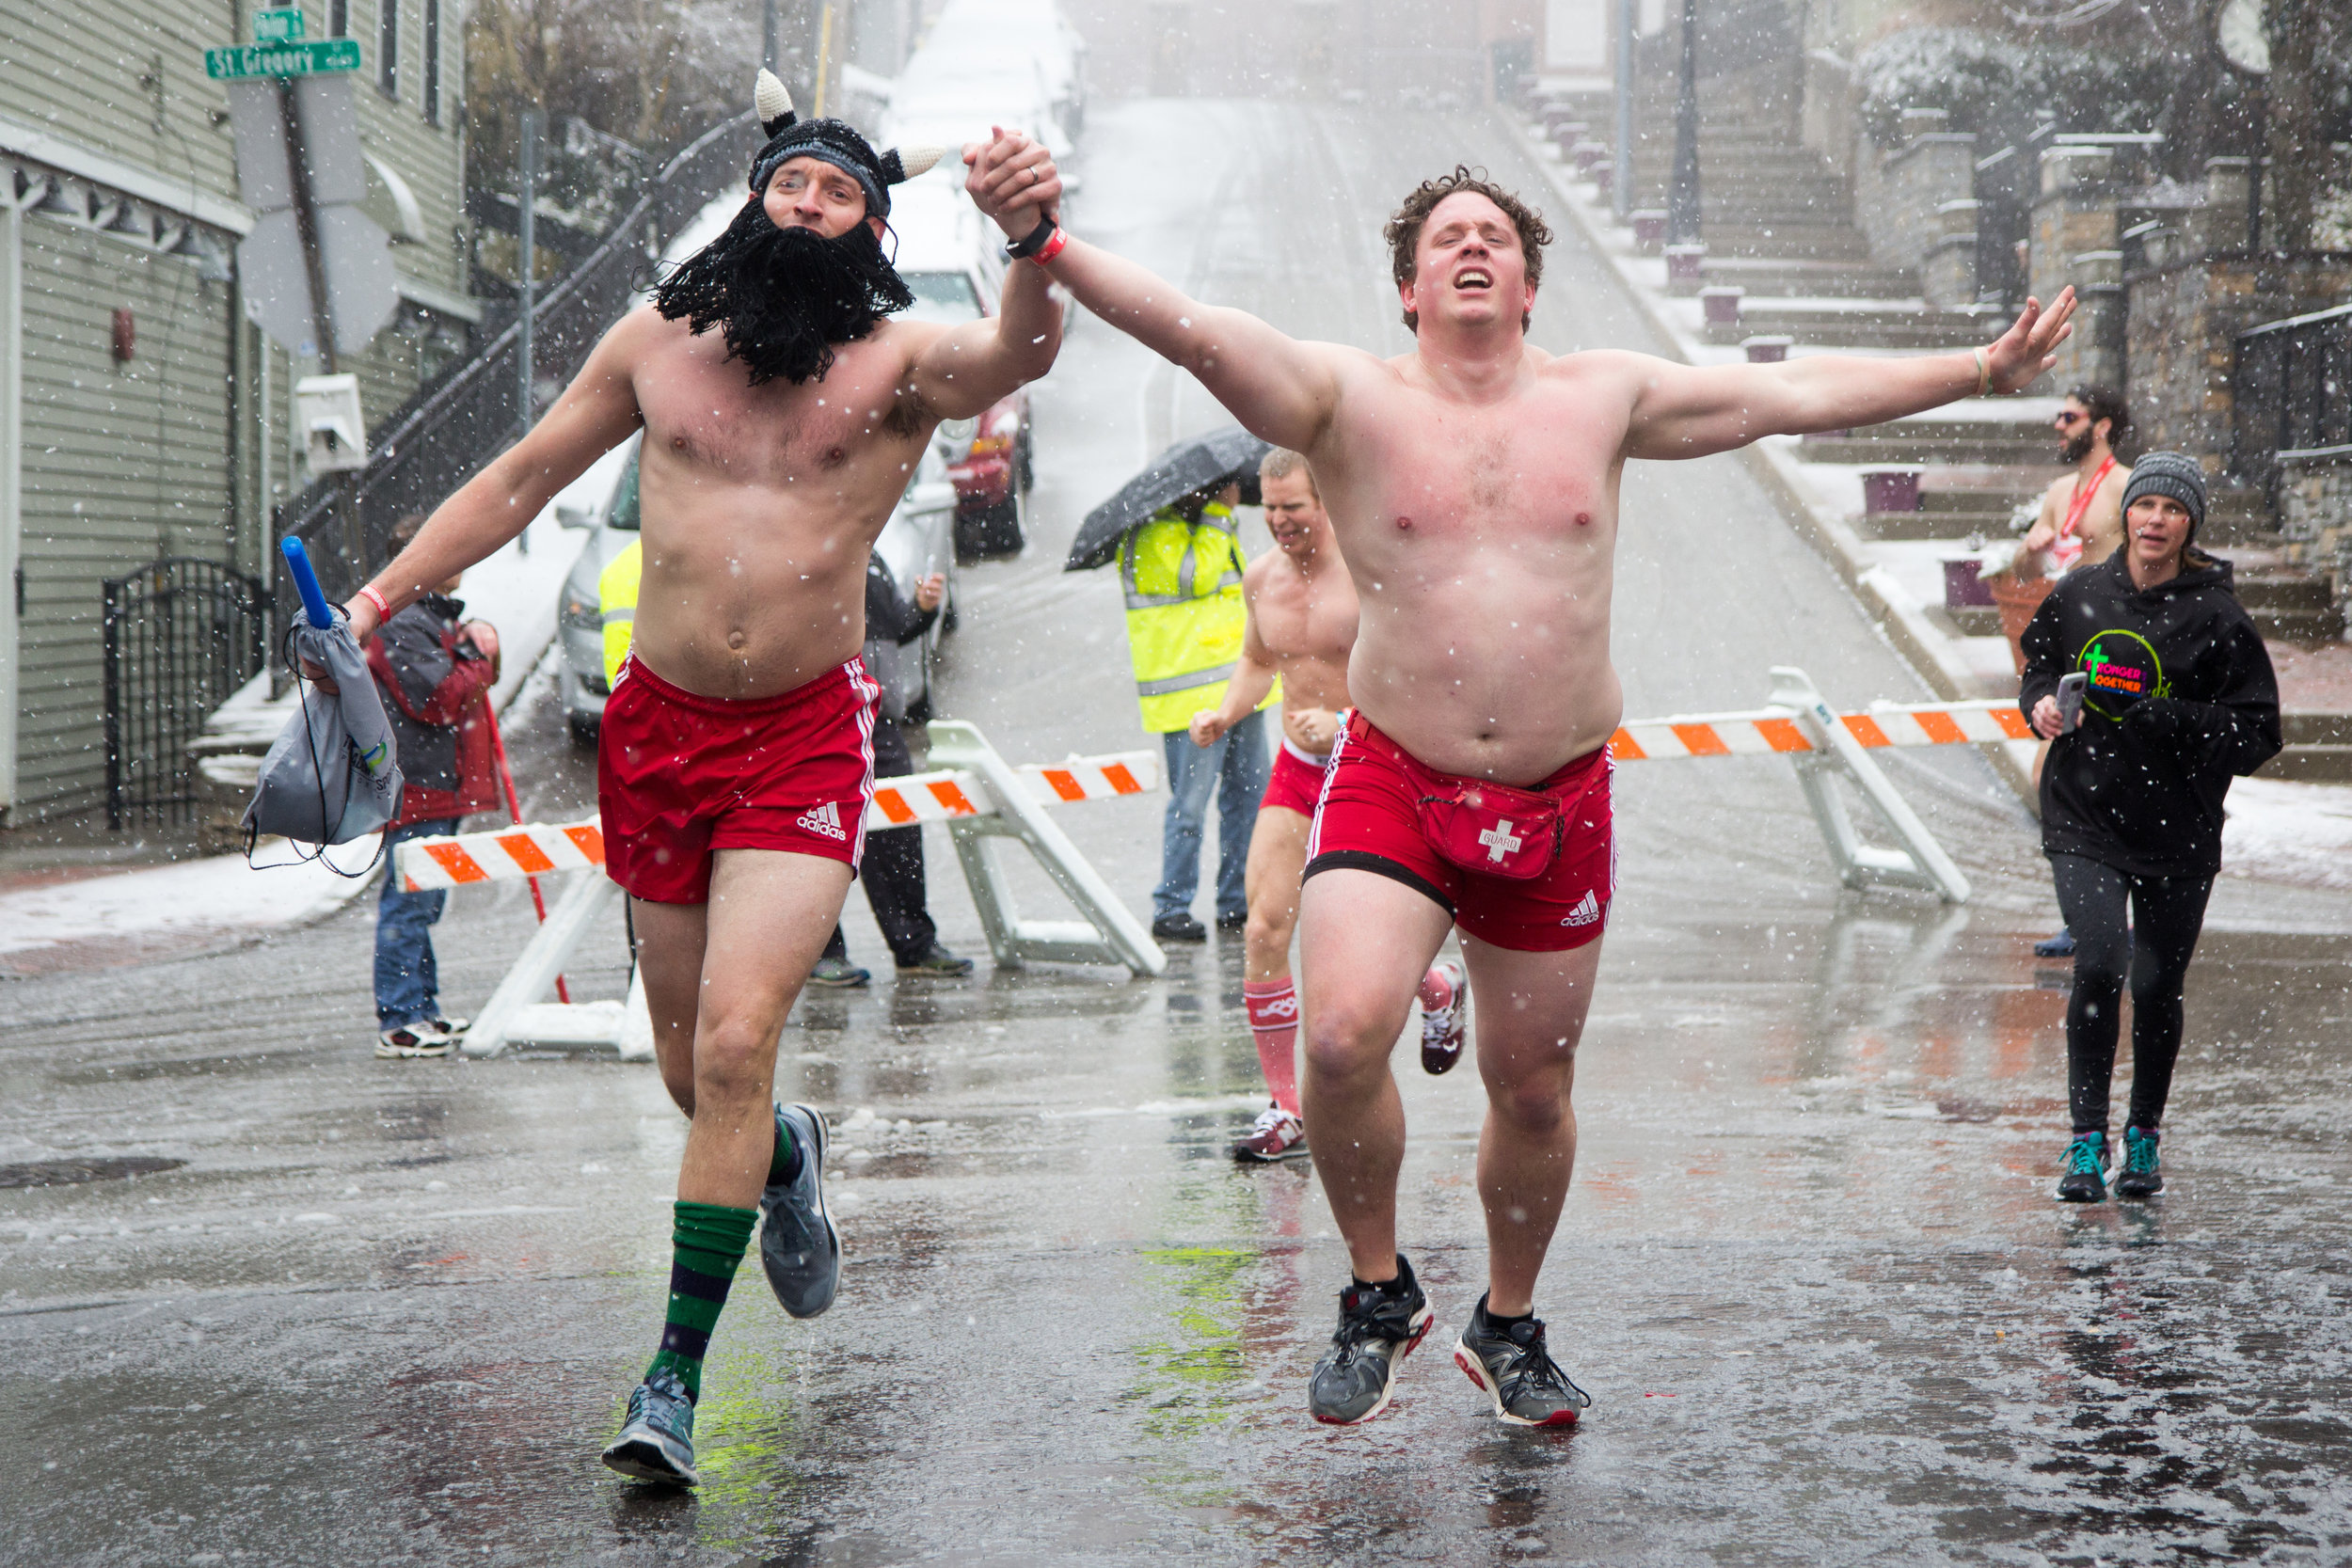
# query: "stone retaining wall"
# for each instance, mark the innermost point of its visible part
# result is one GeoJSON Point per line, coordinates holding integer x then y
{"type": "Point", "coordinates": [2316, 512]}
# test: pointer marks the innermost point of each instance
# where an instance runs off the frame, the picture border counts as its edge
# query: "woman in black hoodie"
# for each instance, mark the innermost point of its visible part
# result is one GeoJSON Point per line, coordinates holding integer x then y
{"type": "Point", "coordinates": [2181, 699]}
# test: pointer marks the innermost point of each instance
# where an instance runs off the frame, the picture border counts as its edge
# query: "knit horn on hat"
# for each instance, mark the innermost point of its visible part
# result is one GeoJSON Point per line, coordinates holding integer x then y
{"type": "Point", "coordinates": [834, 142]}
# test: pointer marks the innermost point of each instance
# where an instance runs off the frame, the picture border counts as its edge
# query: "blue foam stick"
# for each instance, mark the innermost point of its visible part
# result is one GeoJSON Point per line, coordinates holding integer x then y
{"type": "Point", "coordinates": [313, 602]}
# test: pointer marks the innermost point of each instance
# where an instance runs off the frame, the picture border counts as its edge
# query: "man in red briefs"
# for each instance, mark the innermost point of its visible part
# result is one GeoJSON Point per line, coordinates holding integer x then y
{"type": "Point", "coordinates": [1473, 485]}
{"type": "Point", "coordinates": [783, 412]}
{"type": "Point", "coordinates": [1300, 623]}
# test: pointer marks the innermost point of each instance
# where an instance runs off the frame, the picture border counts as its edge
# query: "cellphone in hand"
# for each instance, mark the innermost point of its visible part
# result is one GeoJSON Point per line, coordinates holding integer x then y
{"type": "Point", "coordinates": [2070, 701]}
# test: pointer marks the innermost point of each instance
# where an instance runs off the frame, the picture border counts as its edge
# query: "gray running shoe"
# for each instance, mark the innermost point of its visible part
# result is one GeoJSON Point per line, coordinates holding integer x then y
{"type": "Point", "coordinates": [657, 1442]}
{"type": "Point", "coordinates": [1378, 1327]}
{"type": "Point", "coordinates": [1517, 1374]}
{"type": "Point", "coordinates": [797, 1244]}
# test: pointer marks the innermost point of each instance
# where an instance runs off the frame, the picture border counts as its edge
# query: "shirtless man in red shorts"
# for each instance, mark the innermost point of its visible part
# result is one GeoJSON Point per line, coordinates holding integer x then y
{"type": "Point", "coordinates": [1301, 626]}
{"type": "Point", "coordinates": [1472, 484]}
{"type": "Point", "coordinates": [783, 412]}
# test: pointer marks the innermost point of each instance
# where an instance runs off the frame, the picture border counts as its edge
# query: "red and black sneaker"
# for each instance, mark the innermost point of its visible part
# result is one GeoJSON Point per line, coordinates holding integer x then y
{"type": "Point", "coordinates": [1445, 1026]}
{"type": "Point", "coordinates": [1278, 1136]}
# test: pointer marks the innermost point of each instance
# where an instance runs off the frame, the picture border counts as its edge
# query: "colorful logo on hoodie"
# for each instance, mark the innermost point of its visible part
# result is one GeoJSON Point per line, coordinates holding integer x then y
{"type": "Point", "coordinates": [2124, 667]}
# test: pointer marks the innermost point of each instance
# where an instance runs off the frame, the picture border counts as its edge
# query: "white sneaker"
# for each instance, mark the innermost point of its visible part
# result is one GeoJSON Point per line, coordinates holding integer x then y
{"type": "Point", "coordinates": [421, 1038]}
{"type": "Point", "coordinates": [1278, 1136]}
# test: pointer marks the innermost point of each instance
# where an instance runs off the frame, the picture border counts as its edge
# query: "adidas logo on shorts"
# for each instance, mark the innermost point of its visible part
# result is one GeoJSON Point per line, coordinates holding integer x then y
{"type": "Point", "coordinates": [826, 819]}
{"type": "Point", "coordinates": [1587, 910]}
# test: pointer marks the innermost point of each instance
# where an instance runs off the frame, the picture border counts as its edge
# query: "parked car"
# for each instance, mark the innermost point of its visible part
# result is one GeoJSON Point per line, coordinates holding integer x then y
{"type": "Point", "coordinates": [957, 272]}
{"type": "Point", "coordinates": [967, 33]}
{"type": "Point", "coordinates": [918, 540]}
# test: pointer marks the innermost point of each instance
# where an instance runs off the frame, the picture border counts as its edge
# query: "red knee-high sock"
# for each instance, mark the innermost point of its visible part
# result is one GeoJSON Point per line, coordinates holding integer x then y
{"type": "Point", "coordinates": [1274, 1020]}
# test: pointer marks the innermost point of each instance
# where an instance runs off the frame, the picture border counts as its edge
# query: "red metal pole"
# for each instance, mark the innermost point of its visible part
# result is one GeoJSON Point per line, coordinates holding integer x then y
{"type": "Point", "coordinates": [514, 808]}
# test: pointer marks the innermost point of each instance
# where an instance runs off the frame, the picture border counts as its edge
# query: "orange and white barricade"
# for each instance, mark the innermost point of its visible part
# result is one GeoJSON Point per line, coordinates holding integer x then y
{"type": "Point", "coordinates": [973, 790]}
{"type": "Point", "coordinates": [1823, 742]}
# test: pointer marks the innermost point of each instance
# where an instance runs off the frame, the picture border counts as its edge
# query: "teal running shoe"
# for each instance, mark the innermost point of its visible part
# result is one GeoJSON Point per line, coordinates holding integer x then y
{"type": "Point", "coordinates": [2139, 1177]}
{"type": "Point", "coordinates": [656, 1441]}
{"type": "Point", "coordinates": [2086, 1178]}
{"type": "Point", "coordinates": [799, 1248]}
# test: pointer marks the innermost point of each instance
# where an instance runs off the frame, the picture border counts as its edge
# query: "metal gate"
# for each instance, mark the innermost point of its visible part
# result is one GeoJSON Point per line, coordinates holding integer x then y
{"type": "Point", "coordinates": [182, 635]}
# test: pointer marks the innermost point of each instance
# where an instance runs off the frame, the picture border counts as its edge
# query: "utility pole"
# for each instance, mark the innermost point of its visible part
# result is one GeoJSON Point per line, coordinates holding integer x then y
{"type": "Point", "coordinates": [527, 265]}
{"type": "Point", "coordinates": [1682, 200]}
{"type": "Point", "coordinates": [1621, 183]}
{"type": "Point", "coordinates": [768, 35]}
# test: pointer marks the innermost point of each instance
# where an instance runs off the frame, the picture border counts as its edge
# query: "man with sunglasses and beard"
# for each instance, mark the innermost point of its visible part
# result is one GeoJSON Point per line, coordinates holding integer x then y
{"type": "Point", "coordinates": [783, 415]}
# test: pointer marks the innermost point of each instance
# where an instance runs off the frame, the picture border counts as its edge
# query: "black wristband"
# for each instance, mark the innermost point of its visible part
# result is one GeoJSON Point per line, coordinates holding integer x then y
{"type": "Point", "coordinates": [1021, 249]}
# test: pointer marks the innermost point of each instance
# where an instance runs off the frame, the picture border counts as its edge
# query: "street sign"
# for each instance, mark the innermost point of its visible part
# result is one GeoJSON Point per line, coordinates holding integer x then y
{"type": "Point", "coordinates": [316, 57]}
{"type": "Point", "coordinates": [277, 26]}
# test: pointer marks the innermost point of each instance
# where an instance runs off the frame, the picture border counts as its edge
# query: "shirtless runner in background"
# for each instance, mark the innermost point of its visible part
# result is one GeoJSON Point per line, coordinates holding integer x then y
{"type": "Point", "coordinates": [1301, 626]}
{"type": "Point", "coordinates": [783, 413]}
{"type": "Point", "coordinates": [1473, 485]}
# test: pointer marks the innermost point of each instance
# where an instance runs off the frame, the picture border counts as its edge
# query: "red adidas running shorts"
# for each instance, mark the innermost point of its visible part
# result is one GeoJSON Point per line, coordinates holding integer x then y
{"type": "Point", "coordinates": [680, 777]}
{"type": "Point", "coordinates": [1296, 782]}
{"type": "Point", "coordinates": [1369, 819]}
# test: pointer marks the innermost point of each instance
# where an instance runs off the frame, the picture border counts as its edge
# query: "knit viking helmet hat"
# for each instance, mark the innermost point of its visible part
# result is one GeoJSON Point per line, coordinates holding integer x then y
{"type": "Point", "coordinates": [836, 142]}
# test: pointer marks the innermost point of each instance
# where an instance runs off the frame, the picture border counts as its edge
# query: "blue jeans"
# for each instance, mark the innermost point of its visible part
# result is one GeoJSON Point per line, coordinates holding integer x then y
{"type": "Point", "coordinates": [1241, 764]}
{"type": "Point", "coordinates": [406, 986]}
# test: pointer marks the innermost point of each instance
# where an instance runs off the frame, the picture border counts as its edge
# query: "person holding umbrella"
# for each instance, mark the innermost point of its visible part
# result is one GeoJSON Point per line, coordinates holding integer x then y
{"type": "Point", "coordinates": [1171, 529]}
{"type": "Point", "coordinates": [435, 669]}
{"type": "Point", "coordinates": [2176, 698]}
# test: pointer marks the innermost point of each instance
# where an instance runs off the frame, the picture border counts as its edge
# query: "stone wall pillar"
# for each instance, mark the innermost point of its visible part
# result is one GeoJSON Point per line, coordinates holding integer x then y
{"type": "Point", "coordinates": [2315, 513]}
{"type": "Point", "coordinates": [2099, 319]}
{"type": "Point", "coordinates": [1947, 276]}
{"type": "Point", "coordinates": [1901, 196]}
{"type": "Point", "coordinates": [2220, 224]}
{"type": "Point", "coordinates": [2073, 216]}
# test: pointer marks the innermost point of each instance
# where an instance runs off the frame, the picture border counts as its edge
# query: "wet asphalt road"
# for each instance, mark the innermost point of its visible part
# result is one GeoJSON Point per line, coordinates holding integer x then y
{"type": "Point", "coordinates": [1810, 1269]}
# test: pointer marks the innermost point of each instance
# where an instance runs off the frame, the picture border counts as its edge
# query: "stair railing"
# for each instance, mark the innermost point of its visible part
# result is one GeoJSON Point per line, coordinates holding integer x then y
{"type": "Point", "coordinates": [2291, 392]}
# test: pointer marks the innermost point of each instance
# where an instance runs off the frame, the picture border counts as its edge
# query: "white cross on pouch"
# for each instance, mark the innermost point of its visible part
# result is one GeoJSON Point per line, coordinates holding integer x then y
{"type": "Point", "coordinates": [1500, 840]}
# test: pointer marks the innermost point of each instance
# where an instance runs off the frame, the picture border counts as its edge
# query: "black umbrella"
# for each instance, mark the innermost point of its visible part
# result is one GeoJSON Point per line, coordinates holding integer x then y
{"type": "Point", "coordinates": [1198, 462]}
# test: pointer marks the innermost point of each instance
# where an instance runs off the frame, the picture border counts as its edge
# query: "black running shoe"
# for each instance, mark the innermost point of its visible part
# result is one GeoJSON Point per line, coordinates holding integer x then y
{"type": "Point", "coordinates": [1517, 1374]}
{"type": "Point", "coordinates": [656, 1441]}
{"type": "Point", "coordinates": [2139, 1177]}
{"type": "Point", "coordinates": [2086, 1178]}
{"type": "Point", "coordinates": [1180, 926]}
{"type": "Point", "coordinates": [1379, 1325]}
{"type": "Point", "coordinates": [798, 1246]}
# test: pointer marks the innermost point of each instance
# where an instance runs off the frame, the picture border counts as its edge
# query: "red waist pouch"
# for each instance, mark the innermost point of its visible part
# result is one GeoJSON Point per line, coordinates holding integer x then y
{"type": "Point", "coordinates": [1491, 829]}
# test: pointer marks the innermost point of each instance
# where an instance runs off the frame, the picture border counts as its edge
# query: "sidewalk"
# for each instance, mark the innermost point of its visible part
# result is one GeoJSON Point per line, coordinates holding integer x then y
{"type": "Point", "coordinates": [1900, 581]}
{"type": "Point", "coordinates": [77, 898]}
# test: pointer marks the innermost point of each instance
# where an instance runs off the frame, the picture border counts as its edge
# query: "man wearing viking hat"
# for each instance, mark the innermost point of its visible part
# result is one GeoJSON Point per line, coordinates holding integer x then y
{"type": "Point", "coordinates": [1473, 486]}
{"type": "Point", "coordinates": [783, 412]}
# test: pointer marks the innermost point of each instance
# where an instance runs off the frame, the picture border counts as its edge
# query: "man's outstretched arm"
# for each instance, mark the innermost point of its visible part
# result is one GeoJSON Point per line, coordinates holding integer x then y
{"type": "Point", "coordinates": [596, 413]}
{"type": "Point", "coordinates": [1690, 411]}
{"type": "Point", "coordinates": [967, 368]}
{"type": "Point", "coordinates": [1280, 389]}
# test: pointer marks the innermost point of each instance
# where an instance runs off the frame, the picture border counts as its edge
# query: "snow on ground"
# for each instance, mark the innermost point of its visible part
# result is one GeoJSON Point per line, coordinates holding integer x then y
{"type": "Point", "coordinates": [2289, 832]}
{"type": "Point", "coordinates": [95, 920]}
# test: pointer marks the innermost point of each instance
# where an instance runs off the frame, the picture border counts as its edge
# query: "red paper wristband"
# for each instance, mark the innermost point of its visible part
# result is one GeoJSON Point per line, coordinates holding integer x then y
{"type": "Point", "coordinates": [383, 607]}
{"type": "Point", "coordinates": [1052, 247]}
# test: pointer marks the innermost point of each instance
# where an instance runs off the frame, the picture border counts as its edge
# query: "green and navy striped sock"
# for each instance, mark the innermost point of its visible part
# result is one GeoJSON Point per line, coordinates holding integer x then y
{"type": "Point", "coordinates": [709, 1242]}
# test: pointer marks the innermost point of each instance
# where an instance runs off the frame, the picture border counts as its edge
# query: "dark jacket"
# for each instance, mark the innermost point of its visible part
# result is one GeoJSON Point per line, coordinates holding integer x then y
{"type": "Point", "coordinates": [437, 693]}
{"type": "Point", "coordinates": [892, 622]}
{"type": "Point", "coordinates": [2182, 698]}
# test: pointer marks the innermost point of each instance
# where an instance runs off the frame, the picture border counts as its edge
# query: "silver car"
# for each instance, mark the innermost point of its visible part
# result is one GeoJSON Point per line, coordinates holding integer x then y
{"type": "Point", "coordinates": [918, 540]}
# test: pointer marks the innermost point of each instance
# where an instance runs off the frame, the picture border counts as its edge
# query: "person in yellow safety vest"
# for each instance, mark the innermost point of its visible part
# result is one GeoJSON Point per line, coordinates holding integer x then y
{"type": "Point", "coordinates": [1181, 573]}
{"type": "Point", "coordinates": [616, 606]}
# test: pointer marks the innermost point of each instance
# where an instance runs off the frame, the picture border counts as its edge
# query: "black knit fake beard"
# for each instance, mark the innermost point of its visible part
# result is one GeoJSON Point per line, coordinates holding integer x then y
{"type": "Point", "coordinates": [785, 298]}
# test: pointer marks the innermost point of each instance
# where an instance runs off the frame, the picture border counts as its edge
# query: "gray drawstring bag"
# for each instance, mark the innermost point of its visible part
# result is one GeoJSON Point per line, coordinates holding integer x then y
{"type": "Point", "coordinates": [332, 776]}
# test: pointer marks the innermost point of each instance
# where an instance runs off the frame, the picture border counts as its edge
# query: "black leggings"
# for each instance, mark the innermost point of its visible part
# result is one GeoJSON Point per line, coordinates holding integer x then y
{"type": "Point", "coordinates": [2166, 912]}
{"type": "Point", "coordinates": [893, 869]}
